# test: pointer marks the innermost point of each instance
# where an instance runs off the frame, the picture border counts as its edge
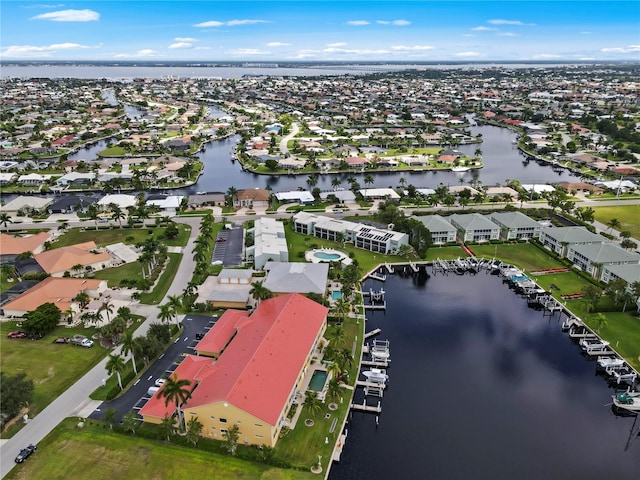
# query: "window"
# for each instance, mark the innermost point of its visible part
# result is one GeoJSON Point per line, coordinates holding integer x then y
{"type": "Point", "coordinates": [223, 420]}
{"type": "Point", "coordinates": [258, 424]}
{"type": "Point", "coordinates": [259, 436]}
{"type": "Point", "coordinates": [223, 431]}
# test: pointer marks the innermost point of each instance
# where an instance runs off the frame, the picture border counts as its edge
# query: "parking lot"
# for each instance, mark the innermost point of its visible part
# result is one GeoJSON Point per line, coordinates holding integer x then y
{"type": "Point", "coordinates": [136, 396]}
{"type": "Point", "coordinates": [228, 247]}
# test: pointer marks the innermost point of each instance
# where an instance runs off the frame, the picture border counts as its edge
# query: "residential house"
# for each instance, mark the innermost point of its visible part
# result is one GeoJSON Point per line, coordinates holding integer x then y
{"type": "Point", "coordinates": [299, 277]}
{"type": "Point", "coordinates": [11, 246]}
{"type": "Point", "coordinates": [269, 242]}
{"type": "Point", "coordinates": [249, 370]}
{"type": "Point", "coordinates": [76, 178]}
{"type": "Point", "coordinates": [303, 197]}
{"type": "Point", "coordinates": [592, 258]}
{"type": "Point", "coordinates": [59, 291]}
{"type": "Point", "coordinates": [75, 259]}
{"type": "Point", "coordinates": [251, 198]}
{"type": "Point", "coordinates": [25, 204]}
{"type": "Point", "coordinates": [473, 227]}
{"type": "Point", "coordinates": [560, 239]}
{"type": "Point", "coordinates": [441, 230]}
{"type": "Point", "coordinates": [515, 225]}
{"type": "Point", "coordinates": [630, 273]}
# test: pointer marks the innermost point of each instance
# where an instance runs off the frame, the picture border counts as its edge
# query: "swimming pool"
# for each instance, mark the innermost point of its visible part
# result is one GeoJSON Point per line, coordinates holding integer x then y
{"type": "Point", "coordinates": [335, 295]}
{"type": "Point", "coordinates": [327, 256]}
{"type": "Point", "coordinates": [318, 379]}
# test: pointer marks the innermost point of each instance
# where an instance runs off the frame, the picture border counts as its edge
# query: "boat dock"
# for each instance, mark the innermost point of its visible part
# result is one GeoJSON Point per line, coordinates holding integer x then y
{"type": "Point", "coordinates": [378, 276]}
{"type": "Point", "coordinates": [365, 384]}
{"type": "Point", "coordinates": [371, 363]}
{"type": "Point", "coordinates": [366, 408]}
{"type": "Point", "coordinates": [372, 333]}
{"type": "Point", "coordinates": [337, 451]}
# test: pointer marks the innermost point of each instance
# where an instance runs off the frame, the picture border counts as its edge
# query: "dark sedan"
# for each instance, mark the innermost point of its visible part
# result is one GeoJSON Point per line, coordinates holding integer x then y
{"type": "Point", "coordinates": [24, 453]}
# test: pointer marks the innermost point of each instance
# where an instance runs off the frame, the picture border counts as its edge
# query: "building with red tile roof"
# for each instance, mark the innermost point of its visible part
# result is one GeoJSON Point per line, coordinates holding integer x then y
{"type": "Point", "coordinates": [59, 291]}
{"type": "Point", "coordinates": [11, 245]}
{"type": "Point", "coordinates": [259, 363]}
{"type": "Point", "coordinates": [60, 260]}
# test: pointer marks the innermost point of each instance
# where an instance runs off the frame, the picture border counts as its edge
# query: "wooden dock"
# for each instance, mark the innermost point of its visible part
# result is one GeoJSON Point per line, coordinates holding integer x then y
{"type": "Point", "coordinates": [366, 408]}
{"type": "Point", "coordinates": [372, 333]}
{"type": "Point", "coordinates": [342, 439]}
{"type": "Point", "coordinates": [360, 383]}
{"type": "Point", "coordinates": [377, 276]}
{"type": "Point", "coordinates": [376, 306]}
{"type": "Point", "coordinates": [370, 363]}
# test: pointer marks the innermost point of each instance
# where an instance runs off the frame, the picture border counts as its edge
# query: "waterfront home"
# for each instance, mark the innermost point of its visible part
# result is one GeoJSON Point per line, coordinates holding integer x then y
{"type": "Point", "coordinates": [560, 239]}
{"type": "Point", "coordinates": [251, 198]}
{"type": "Point", "coordinates": [473, 227]}
{"type": "Point", "coordinates": [11, 246]}
{"type": "Point", "coordinates": [169, 204]}
{"type": "Point", "coordinates": [515, 225]}
{"type": "Point", "coordinates": [269, 242]}
{"type": "Point", "coordinates": [33, 179]}
{"type": "Point", "coordinates": [249, 370]}
{"type": "Point", "coordinates": [59, 291]}
{"type": "Point", "coordinates": [342, 196]}
{"type": "Point", "coordinates": [121, 200]}
{"type": "Point", "coordinates": [360, 235]}
{"type": "Point", "coordinates": [592, 258]}
{"type": "Point", "coordinates": [630, 273]}
{"type": "Point", "coordinates": [441, 230]}
{"type": "Point", "coordinates": [26, 204]}
{"type": "Point", "coordinates": [72, 203]}
{"type": "Point", "coordinates": [303, 197]}
{"type": "Point", "coordinates": [378, 193]}
{"type": "Point", "coordinates": [74, 259]}
{"type": "Point", "coordinates": [298, 277]}
{"type": "Point", "coordinates": [76, 178]}
{"type": "Point", "coordinates": [7, 178]}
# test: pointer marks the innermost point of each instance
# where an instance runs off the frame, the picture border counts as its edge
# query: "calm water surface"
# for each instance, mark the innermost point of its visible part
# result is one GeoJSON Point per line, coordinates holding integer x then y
{"type": "Point", "coordinates": [482, 387]}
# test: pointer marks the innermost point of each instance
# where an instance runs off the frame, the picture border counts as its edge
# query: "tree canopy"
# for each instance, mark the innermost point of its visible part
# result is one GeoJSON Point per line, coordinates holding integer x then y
{"type": "Point", "coordinates": [15, 393]}
{"type": "Point", "coordinates": [43, 319]}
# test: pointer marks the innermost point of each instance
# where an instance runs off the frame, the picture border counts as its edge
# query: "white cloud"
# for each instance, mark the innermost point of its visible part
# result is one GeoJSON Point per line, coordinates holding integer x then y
{"type": "Point", "coordinates": [247, 51]}
{"type": "Point", "coordinates": [510, 22]}
{"type": "Point", "coordinates": [336, 44]}
{"type": "Point", "coordinates": [507, 34]}
{"type": "Point", "coordinates": [546, 56]}
{"type": "Point", "coordinates": [146, 52]}
{"type": "Point", "coordinates": [44, 5]}
{"type": "Point", "coordinates": [629, 49]}
{"type": "Point", "coordinates": [349, 51]}
{"type": "Point", "coordinates": [585, 33]}
{"type": "Point", "coordinates": [482, 28]}
{"type": "Point", "coordinates": [405, 48]}
{"type": "Point", "coordinates": [185, 39]}
{"type": "Point", "coordinates": [85, 15]}
{"type": "Point", "coordinates": [230, 23]}
{"type": "Point", "coordinates": [357, 23]}
{"type": "Point", "coordinates": [467, 54]}
{"type": "Point", "coordinates": [181, 45]}
{"type": "Point", "coordinates": [44, 50]}
{"type": "Point", "coordinates": [210, 23]}
{"type": "Point", "coordinates": [278, 44]}
{"type": "Point", "coordinates": [398, 23]}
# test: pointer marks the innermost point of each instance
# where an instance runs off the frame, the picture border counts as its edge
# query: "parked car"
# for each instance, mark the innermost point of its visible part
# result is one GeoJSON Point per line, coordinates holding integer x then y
{"type": "Point", "coordinates": [25, 452]}
{"type": "Point", "coordinates": [62, 340]}
{"type": "Point", "coordinates": [160, 382]}
{"type": "Point", "coordinates": [17, 334]}
{"type": "Point", "coordinates": [82, 341]}
{"type": "Point", "coordinates": [152, 391]}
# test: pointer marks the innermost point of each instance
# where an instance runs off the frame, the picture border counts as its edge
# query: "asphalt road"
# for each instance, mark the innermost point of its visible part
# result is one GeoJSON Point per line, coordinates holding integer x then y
{"type": "Point", "coordinates": [136, 396]}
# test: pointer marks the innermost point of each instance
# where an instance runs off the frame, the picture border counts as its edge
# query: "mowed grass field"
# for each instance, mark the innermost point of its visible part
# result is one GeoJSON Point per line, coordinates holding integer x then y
{"type": "Point", "coordinates": [104, 237]}
{"type": "Point", "coordinates": [523, 255]}
{"type": "Point", "coordinates": [627, 215]}
{"type": "Point", "coordinates": [97, 453]}
{"type": "Point", "coordinates": [52, 367]}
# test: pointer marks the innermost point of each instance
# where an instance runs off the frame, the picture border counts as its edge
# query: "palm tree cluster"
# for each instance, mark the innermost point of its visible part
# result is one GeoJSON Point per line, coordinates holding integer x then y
{"type": "Point", "coordinates": [177, 391]}
{"type": "Point", "coordinates": [259, 292]}
{"type": "Point", "coordinates": [202, 248]}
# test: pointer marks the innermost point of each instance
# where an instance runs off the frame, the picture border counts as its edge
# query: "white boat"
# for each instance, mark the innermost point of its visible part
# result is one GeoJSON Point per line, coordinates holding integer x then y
{"type": "Point", "coordinates": [380, 354]}
{"type": "Point", "coordinates": [376, 375]}
{"type": "Point", "coordinates": [627, 400]}
{"type": "Point", "coordinates": [460, 169]}
{"type": "Point", "coordinates": [592, 345]}
{"type": "Point", "coordinates": [610, 363]}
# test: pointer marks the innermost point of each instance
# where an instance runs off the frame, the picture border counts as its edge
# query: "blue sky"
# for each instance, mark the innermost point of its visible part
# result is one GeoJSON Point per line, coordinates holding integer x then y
{"type": "Point", "coordinates": [317, 30]}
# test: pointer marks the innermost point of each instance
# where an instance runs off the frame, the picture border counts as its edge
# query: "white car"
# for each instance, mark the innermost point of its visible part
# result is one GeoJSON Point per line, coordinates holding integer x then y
{"type": "Point", "coordinates": [160, 382]}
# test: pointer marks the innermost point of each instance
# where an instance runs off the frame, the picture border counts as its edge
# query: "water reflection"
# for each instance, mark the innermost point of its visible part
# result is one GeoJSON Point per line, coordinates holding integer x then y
{"type": "Point", "coordinates": [481, 386]}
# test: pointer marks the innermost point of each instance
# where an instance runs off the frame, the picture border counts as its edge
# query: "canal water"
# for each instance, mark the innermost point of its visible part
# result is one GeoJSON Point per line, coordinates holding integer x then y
{"type": "Point", "coordinates": [482, 387]}
{"type": "Point", "coordinates": [501, 159]}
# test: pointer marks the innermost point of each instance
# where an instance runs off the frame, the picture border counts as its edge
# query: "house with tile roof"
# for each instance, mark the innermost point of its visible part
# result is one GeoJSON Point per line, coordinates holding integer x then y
{"type": "Point", "coordinates": [249, 370]}
{"type": "Point", "coordinates": [11, 246]}
{"type": "Point", "coordinates": [285, 277]}
{"type": "Point", "coordinates": [252, 198]}
{"type": "Point", "coordinates": [60, 260]}
{"type": "Point", "coordinates": [59, 291]}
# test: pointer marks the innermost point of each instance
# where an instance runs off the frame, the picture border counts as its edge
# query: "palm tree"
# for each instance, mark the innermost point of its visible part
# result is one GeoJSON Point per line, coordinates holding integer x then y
{"type": "Point", "coordinates": [166, 313]}
{"type": "Point", "coordinates": [177, 391]}
{"type": "Point", "coordinates": [176, 304]}
{"type": "Point", "coordinates": [341, 307]}
{"type": "Point", "coordinates": [334, 390]}
{"type": "Point", "coordinates": [116, 364]}
{"type": "Point", "coordinates": [335, 183]}
{"type": "Point", "coordinates": [110, 416]}
{"type": "Point", "coordinates": [231, 194]}
{"type": "Point", "coordinates": [231, 438]}
{"type": "Point", "coordinates": [368, 180]}
{"type": "Point", "coordinates": [116, 213]}
{"type": "Point", "coordinates": [166, 427]}
{"type": "Point", "coordinates": [5, 219]}
{"type": "Point", "coordinates": [613, 223]}
{"type": "Point", "coordinates": [130, 421]}
{"type": "Point", "coordinates": [127, 342]}
{"type": "Point", "coordinates": [601, 321]}
{"type": "Point", "coordinates": [313, 403]}
{"type": "Point", "coordinates": [107, 307]}
{"type": "Point", "coordinates": [260, 292]}
{"type": "Point", "coordinates": [194, 429]}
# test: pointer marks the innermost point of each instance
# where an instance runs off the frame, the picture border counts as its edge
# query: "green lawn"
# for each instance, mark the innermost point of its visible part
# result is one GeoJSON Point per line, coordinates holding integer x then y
{"type": "Point", "coordinates": [157, 294]}
{"type": "Point", "coordinates": [128, 271]}
{"type": "Point", "coordinates": [628, 215]}
{"type": "Point", "coordinates": [562, 283]}
{"type": "Point", "coordinates": [100, 454]}
{"type": "Point", "coordinates": [125, 235]}
{"type": "Point", "coordinates": [53, 367]}
{"type": "Point", "coordinates": [523, 255]}
{"type": "Point", "coordinates": [622, 330]}
{"type": "Point", "coordinates": [445, 253]}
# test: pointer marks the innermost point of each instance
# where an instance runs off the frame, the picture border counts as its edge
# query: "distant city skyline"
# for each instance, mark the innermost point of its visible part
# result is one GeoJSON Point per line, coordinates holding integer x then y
{"type": "Point", "coordinates": [308, 30]}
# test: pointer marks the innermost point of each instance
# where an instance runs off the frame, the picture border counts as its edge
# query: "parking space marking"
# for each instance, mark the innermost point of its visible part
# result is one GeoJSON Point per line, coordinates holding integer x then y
{"type": "Point", "coordinates": [137, 382]}
{"type": "Point", "coordinates": [150, 377]}
{"type": "Point", "coordinates": [161, 356]}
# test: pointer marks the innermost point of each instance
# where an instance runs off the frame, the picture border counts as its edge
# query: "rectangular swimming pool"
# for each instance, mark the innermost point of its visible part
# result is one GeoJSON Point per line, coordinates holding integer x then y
{"type": "Point", "coordinates": [336, 294]}
{"type": "Point", "coordinates": [318, 379]}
